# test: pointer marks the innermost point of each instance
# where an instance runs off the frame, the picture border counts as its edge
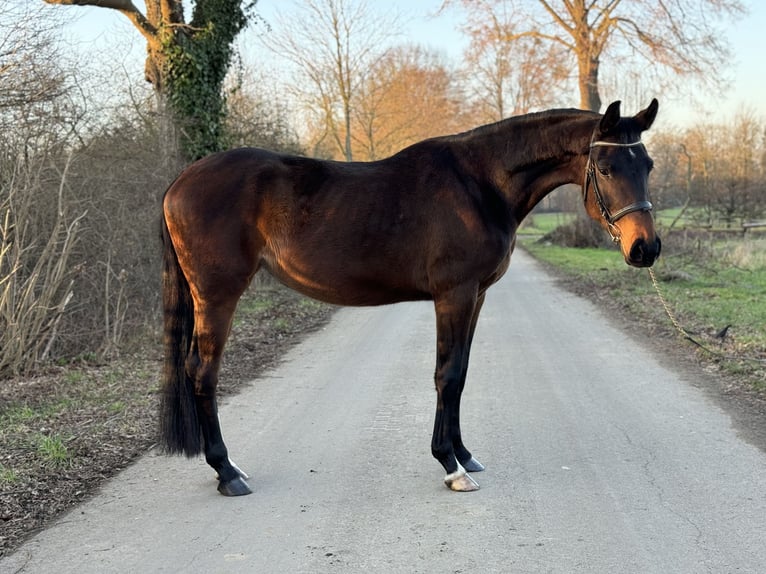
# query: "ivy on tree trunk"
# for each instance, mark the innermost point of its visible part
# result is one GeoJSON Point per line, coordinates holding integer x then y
{"type": "Point", "coordinates": [187, 62]}
{"type": "Point", "coordinates": [197, 58]}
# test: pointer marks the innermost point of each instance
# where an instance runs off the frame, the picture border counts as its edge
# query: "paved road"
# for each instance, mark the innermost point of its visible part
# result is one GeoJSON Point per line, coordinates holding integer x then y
{"type": "Point", "coordinates": [599, 460]}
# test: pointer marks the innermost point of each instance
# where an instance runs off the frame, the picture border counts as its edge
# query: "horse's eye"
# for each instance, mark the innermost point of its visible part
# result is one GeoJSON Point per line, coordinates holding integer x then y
{"type": "Point", "coordinates": [651, 165]}
{"type": "Point", "coordinates": [603, 170]}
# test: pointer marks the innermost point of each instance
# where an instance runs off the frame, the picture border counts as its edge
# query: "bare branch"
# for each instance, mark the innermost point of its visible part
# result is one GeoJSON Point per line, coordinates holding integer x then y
{"type": "Point", "coordinates": [671, 36]}
{"type": "Point", "coordinates": [126, 7]}
{"type": "Point", "coordinates": [570, 29]}
{"type": "Point", "coordinates": [333, 44]}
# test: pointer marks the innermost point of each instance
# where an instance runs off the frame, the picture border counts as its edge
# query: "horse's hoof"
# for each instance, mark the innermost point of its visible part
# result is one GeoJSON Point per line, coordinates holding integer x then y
{"type": "Point", "coordinates": [239, 471]}
{"type": "Point", "coordinates": [460, 481]}
{"type": "Point", "coordinates": [473, 465]}
{"type": "Point", "coordinates": [234, 487]}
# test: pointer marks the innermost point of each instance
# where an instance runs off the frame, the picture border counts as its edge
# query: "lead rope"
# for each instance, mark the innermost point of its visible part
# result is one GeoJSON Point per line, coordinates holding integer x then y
{"type": "Point", "coordinates": [669, 313]}
{"type": "Point", "coordinates": [685, 334]}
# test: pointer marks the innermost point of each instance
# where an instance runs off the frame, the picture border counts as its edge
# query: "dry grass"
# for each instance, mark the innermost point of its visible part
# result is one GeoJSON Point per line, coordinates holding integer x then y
{"type": "Point", "coordinates": [36, 276]}
{"type": "Point", "coordinates": [749, 253]}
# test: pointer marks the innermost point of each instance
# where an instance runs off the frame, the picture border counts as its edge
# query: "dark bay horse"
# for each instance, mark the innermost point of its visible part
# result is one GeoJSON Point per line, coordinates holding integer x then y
{"type": "Point", "coordinates": [436, 221]}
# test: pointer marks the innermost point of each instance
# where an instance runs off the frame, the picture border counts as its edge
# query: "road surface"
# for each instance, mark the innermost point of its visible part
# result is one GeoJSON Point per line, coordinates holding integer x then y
{"type": "Point", "coordinates": [599, 460]}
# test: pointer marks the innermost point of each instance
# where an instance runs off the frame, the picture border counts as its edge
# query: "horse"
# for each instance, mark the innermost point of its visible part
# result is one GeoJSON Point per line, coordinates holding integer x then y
{"type": "Point", "coordinates": [436, 221]}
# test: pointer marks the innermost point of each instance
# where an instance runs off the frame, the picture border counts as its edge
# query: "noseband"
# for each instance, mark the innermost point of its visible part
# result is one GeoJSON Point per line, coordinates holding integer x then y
{"type": "Point", "coordinates": [592, 177]}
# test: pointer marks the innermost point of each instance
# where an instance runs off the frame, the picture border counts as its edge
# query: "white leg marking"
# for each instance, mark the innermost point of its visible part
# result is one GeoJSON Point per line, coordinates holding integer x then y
{"type": "Point", "coordinates": [453, 476]}
{"type": "Point", "coordinates": [460, 480]}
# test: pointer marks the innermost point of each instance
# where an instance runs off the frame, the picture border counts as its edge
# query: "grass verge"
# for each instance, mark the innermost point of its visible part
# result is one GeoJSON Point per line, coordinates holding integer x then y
{"type": "Point", "coordinates": [720, 299]}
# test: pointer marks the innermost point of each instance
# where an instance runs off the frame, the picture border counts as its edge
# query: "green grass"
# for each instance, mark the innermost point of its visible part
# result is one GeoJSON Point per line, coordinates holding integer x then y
{"type": "Point", "coordinates": [74, 377]}
{"type": "Point", "coordinates": [307, 303]}
{"type": "Point", "coordinates": [713, 293]}
{"type": "Point", "coordinates": [281, 324]}
{"type": "Point", "coordinates": [259, 303]}
{"type": "Point", "coordinates": [254, 303]}
{"type": "Point", "coordinates": [116, 408]}
{"type": "Point", "coordinates": [724, 284]}
{"type": "Point", "coordinates": [665, 217]}
{"type": "Point", "coordinates": [717, 295]}
{"type": "Point", "coordinates": [578, 262]}
{"type": "Point", "coordinates": [542, 223]}
{"type": "Point", "coordinates": [19, 417]}
{"type": "Point", "coordinates": [8, 476]}
{"type": "Point", "coordinates": [53, 450]}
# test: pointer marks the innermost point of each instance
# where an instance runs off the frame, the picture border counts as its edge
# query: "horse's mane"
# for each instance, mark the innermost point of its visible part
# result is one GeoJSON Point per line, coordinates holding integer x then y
{"type": "Point", "coordinates": [526, 133]}
{"type": "Point", "coordinates": [533, 119]}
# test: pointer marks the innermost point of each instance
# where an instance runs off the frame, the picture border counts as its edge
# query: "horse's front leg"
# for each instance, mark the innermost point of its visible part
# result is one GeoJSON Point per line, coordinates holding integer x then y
{"type": "Point", "coordinates": [463, 455]}
{"type": "Point", "coordinates": [203, 366]}
{"type": "Point", "coordinates": [454, 320]}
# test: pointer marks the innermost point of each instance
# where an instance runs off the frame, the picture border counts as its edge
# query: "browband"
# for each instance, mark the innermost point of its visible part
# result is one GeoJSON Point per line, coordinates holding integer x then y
{"type": "Point", "coordinates": [615, 144]}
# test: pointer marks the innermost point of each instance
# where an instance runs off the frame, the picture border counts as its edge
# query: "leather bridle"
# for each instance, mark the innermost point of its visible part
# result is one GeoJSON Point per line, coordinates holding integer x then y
{"type": "Point", "coordinates": [592, 177]}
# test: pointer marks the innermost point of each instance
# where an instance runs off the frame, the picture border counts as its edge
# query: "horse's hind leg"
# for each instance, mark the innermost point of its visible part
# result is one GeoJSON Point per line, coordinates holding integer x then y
{"type": "Point", "coordinates": [211, 329]}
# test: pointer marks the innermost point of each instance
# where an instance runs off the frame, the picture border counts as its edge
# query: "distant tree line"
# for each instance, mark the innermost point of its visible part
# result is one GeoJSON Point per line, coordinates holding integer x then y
{"type": "Point", "coordinates": [715, 173]}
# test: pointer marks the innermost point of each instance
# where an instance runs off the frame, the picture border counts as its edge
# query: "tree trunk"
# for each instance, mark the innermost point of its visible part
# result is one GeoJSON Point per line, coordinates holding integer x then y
{"type": "Point", "coordinates": [588, 83]}
{"type": "Point", "coordinates": [347, 114]}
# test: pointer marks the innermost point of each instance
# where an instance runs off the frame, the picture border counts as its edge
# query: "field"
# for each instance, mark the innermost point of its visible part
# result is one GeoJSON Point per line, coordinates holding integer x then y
{"type": "Point", "coordinates": [714, 285]}
{"type": "Point", "coordinates": [542, 223]}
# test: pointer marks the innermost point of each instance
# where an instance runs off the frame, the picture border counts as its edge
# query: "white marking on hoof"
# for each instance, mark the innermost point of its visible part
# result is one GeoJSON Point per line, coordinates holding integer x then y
{"type": "Point", "coordinates": [460, 481]}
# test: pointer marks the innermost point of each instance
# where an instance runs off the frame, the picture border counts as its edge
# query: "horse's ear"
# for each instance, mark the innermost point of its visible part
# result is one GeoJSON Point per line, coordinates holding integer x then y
{"type": "Point", "coordinates": [645, 118]}
{"type": "Point", "coordinates": [611, 117]}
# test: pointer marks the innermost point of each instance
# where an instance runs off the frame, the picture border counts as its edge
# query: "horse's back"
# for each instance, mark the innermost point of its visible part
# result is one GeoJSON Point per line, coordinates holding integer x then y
{"type": "Point", "coordinates": [358, 233]}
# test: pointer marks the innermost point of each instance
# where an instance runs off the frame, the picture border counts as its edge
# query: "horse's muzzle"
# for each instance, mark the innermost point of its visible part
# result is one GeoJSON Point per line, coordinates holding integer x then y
{"type": "Point", "coordinates": [643, 253]}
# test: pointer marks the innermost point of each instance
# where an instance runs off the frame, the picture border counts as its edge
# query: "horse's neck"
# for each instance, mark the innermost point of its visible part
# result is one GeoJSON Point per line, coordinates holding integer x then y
{"type": "Point", "coordinates": [529, 159]}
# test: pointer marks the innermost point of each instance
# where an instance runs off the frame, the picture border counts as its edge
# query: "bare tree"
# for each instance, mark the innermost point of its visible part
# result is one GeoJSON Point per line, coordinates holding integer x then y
{"type": "Point", "coordinates": [676, 35]}
{"type": "Point", "coordinates": [257, 115]}
{"type": "Point", "coordinates": [713, 169]}
{"type": "Point", "coordinates": [409, 95]}
{"type": "Point", "coordinates": [29, 70]}
{"type": "Point", "coordinates": [333, 44]}
{"type": "Point", "coordinates": [510, 74]}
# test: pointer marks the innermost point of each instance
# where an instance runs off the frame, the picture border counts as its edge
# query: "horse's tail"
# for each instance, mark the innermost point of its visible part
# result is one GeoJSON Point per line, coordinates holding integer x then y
{"type": "Point", "coordinates": [180, 431]}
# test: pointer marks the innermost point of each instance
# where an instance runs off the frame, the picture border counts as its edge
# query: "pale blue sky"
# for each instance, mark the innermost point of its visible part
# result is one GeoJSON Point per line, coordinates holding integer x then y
{"type": "Point", "coordinates": [118, 42]}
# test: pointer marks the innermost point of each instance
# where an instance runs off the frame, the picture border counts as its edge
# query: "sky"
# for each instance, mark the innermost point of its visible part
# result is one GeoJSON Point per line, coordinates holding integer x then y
{"type": "Point", "coordinates": [117, 42]}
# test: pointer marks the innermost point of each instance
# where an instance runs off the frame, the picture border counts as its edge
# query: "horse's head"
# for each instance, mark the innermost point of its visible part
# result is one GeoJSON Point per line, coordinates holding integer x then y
{"type": "Point", "coordinates": [616, 191]}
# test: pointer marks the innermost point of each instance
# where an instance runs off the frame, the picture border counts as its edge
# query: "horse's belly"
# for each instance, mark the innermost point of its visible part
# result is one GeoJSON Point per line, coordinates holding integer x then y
{"type": "Point", "coordinates": [333, 284]}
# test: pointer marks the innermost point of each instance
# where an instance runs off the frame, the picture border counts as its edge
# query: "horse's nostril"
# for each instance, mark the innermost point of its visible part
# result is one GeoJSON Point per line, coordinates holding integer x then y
{"type": "Point", "coordinates": [637, 252]}
{"type": "Point", "coordinates": [644, 254]}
